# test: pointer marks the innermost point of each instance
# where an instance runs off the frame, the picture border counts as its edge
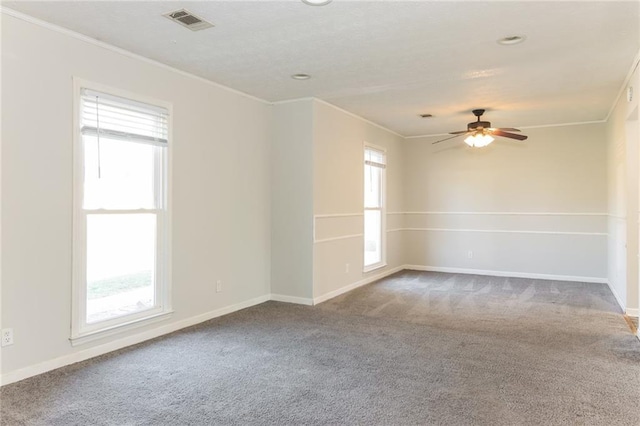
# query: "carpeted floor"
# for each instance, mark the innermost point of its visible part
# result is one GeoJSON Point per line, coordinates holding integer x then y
{"type": "Point", "coordinates": [415, 348]}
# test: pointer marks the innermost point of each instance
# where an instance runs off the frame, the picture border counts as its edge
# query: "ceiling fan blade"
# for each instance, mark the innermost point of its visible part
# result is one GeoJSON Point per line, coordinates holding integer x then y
{"type": "Point", "coordinates": [498, 132]}
{"type": "Point", "coordinates": [446, 139]}
{"type": "Point", "coordinates": [458, 133]}
{"type": "Point", "coordinates": [508, 129]}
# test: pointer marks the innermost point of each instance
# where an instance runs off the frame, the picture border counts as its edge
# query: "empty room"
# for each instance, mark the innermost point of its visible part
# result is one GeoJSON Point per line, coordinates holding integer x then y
{"type": "Point", "coordinates": [319, 212]}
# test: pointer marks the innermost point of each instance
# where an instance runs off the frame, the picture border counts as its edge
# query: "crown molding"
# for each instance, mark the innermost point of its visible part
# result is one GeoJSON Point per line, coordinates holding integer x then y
{"type": "Point", "coordinates": [329, 104]}
{"type": "Point", "coordinates": [349, 113]}
{"type": "Point", "coordinates": [632, 69]}
{"type": "Point", "coordinates": [290, 101]}
{"type": "Point", "coordinates": [61, 30]}
{"type": "Point", "coordinates": [30, 19]}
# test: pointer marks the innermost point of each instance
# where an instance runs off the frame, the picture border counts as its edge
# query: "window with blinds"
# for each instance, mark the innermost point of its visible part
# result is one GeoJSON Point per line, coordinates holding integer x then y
{"type": "Point", "coordinates": [121, 221]}
{"type": "Point", "coordinates": [374, 185]}
{"type": "Point", "coordinates": [122, 119]}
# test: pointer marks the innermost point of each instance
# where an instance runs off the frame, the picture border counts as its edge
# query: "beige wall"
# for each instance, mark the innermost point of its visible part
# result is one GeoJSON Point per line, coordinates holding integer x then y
{"type": "Point", "coordinates": [292, 201]}
{"type": "Point", "coordinates": [622, 135]}
{"type": "Point", "coordinates": [252, 184]}
{"type": "Point", "coordinates": [317, 199]}
{"type": "Point", "coordinates": [338, 185]}
{"type": "Point", "coordinates": [221, 187]}
{"type": "Point", "coordinates": [501, 203]}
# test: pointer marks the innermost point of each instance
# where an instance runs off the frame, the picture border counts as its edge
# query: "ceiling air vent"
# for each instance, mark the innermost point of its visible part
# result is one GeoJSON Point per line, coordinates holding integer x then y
{"type": "Point", "coordinates": [188, 19]}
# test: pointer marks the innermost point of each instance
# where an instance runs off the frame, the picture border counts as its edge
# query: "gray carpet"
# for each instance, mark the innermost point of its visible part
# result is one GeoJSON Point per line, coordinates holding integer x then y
{"type": "Point", "coordinates": [415, 348]}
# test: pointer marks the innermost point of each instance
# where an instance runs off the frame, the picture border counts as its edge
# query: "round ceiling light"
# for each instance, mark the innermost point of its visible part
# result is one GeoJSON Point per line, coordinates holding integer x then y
{"type": "Point", "coordinates": [301, 76]}
{"type": "Point", "coordinates": [514, 39]}
{"type": "Point", "coordinates": [316, 2]}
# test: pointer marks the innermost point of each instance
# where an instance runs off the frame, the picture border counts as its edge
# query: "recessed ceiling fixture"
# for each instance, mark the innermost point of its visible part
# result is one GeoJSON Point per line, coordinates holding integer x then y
{"type": "Point", "coordinates": [513, 39]}
{"type": "Point", "coordinates": [316, 2]}
{"type": "Point", "coordinates": [301, 76]}
{"type": "Point", "coordinates": [188, 20]}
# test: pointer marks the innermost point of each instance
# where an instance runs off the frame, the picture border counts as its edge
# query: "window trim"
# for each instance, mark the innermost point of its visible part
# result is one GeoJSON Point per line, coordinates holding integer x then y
{"type": "Point", "coordinates": [81, 332]}
{"type": "Point", "coordinates": [383, 212]}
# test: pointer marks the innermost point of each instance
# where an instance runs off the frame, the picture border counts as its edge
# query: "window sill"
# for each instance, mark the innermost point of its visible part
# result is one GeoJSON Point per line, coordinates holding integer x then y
{"type": "Point", "coordinates": [91, 336]}
{"type": "Point", "coordinates": [375, 267]}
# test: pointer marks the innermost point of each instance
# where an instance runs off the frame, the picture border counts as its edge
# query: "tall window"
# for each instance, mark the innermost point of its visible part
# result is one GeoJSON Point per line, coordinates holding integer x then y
{"type": "Point", "coordinates": [120, 252]}
{"type": "Point", "coordinates": [374, 186]}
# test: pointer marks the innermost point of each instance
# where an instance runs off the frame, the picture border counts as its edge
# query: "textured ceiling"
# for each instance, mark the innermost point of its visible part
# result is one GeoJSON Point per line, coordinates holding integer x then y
{"type": "Point", "coordinates": [388, 61]}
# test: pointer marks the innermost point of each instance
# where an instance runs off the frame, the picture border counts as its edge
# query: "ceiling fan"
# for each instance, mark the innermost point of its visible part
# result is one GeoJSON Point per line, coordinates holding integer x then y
{"type": "Point", "coordinates": [480, 133]}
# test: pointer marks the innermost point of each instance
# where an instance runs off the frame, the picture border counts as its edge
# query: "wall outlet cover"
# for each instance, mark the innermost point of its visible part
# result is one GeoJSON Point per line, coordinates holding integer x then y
{"type": "Point", "coordinates": [6, 338]}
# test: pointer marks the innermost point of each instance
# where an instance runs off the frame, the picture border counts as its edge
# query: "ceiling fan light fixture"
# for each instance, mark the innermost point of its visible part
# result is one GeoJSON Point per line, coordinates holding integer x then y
{"type": "Point", "coordinates": [480, 133]}
{"type": "Point", "coordinates": [478, 140]}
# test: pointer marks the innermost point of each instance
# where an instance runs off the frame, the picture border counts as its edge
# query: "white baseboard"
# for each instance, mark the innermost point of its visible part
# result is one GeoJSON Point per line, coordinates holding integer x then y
{"type": "Point", "coordinates": [632, 312]}
{"type": "Point", "coordinates": [92, 352]}
{"type": "Point", "coordinates": [23, 373]}
{"type": "Point", "coordinates": [507, 274]}
{"type": "Point", "coordinates": [368, 280]}
{"type": "Point", "coordinates": [291, 299]}
{"type": "Point", "coordinates": [355, 285]}
{"type": "Point", "coordinates": [618, 298]}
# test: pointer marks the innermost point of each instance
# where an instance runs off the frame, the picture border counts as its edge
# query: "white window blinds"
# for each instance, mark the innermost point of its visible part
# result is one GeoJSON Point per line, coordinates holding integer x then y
{"type": "Point", "coordinates": [373, 157]}
{"type": "Point", "coordinates": [122, 119]}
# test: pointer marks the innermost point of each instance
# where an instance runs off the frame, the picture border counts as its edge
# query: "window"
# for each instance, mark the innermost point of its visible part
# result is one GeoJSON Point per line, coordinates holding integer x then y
{"type": "Point", "coordinates": [121, 213]}
{"type": "Point", "coordinates": [374, 186]}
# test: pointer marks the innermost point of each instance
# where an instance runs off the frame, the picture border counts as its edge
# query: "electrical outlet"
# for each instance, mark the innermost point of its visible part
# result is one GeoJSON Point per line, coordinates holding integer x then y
{"type": "Point", "coordinates": [218, 286]}
{"type": "Point", "coordinates": [7, 336]}
{"type": "Point", "coordinates": [470, 254]}
{"type": "Point", "coordinates": [346, 268]}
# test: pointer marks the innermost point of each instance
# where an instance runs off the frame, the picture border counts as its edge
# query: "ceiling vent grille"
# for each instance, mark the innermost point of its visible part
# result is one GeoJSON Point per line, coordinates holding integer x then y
{"type": "Point", "coordinates": [188, 20]}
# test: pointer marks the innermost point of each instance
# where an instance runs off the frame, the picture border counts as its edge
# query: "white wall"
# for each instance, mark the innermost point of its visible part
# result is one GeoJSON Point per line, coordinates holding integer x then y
{"type": "Point", "coordinates": [221, 187]}
{"type": "Point", "coordinates": [292, 201]}
{"type": "Point", "coordinates": [338, 187]}
{"type": "Point", "coordinates": [623, 155]}
{"type": "Point", "coordinates": [502, 204]}
{"type": "Point", "coordinates": [317, 204]}
{"type": "Point", "coordinates": [246, 213]}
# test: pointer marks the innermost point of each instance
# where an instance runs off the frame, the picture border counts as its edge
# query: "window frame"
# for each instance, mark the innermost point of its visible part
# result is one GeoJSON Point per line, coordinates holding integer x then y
{"type": "Point", "coordinates": [81, 331]}
{"type": "Point", "coordinates": [383, 210]}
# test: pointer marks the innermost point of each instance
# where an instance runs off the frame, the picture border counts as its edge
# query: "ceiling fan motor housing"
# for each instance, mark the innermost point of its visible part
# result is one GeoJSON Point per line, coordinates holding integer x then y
{"type": "Point", "coordinates": [480, 124]}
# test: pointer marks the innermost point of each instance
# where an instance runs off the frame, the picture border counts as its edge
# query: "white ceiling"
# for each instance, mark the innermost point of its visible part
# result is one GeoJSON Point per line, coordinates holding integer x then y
{"type": "Point", "coordinates": [388, 61]}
